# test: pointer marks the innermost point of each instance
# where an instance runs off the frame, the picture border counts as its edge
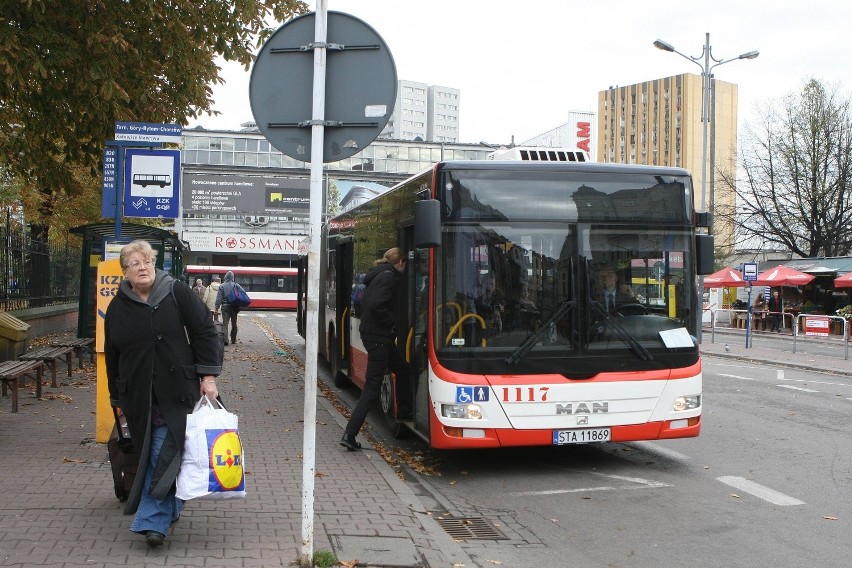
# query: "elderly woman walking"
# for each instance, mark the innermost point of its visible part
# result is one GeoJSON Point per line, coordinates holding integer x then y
{"type": "Point", "coordinates": [162, 354]}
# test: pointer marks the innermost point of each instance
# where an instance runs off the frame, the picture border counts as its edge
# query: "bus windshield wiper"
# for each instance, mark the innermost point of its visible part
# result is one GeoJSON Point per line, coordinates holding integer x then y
{"type": "Point", "coordinates": [531, 339]}
{"type": "Point", "coordinates": [623, 334]}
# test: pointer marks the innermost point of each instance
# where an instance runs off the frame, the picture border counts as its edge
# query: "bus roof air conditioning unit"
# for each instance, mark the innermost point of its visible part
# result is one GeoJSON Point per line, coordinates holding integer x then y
{"type": "Point", "coordinates": [530, 154]}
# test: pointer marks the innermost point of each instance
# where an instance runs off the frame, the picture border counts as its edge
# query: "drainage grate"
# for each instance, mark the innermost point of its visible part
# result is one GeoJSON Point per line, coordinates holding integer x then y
{"type": "Point", "coordinates": [470, 528]}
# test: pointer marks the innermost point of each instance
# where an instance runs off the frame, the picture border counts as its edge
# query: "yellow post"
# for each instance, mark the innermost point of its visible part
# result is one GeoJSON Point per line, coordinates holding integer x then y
{"type": "Point", "coordinates": [109, 278]}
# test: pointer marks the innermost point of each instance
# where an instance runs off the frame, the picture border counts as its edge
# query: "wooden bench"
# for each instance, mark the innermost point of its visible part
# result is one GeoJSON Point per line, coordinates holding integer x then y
{"type": "Point", "coordinates": [50, 355]}
{"type": "Point", "coordinates": [78, 345]}
{"type": "Point", "coordinates": [12, 374]}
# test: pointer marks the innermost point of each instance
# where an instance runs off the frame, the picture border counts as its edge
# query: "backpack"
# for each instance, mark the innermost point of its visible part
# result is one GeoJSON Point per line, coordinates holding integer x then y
{"type": "Point", "coordinates": [238, 298]}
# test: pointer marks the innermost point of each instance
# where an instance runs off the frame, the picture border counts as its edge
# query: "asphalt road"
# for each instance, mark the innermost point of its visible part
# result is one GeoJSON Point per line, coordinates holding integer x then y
{"type": "Point", "coordinates": [766, 484]}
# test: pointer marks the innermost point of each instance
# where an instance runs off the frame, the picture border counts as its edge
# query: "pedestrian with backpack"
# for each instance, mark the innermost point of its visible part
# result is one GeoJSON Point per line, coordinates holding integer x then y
{"type": "Point", "coordinates": [229, 302]}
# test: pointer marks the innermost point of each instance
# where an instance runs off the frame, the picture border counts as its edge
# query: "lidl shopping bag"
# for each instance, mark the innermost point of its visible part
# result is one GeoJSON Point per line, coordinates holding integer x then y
{"type": "Point", "coordinates": [213, 465]}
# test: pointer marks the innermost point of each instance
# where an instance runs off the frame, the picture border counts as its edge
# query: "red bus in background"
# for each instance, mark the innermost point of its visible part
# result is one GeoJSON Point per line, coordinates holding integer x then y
{"type": "Point", "coordinates": [268, 287]}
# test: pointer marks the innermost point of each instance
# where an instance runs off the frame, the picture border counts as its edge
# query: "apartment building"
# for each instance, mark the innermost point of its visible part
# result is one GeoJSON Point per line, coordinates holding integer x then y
{"type": "Point", "coordinates": [424, 112]}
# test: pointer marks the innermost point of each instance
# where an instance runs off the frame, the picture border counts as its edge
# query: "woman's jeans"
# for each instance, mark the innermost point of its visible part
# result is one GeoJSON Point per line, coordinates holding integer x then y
{"type": "Point", "coordinates": [156, 514]}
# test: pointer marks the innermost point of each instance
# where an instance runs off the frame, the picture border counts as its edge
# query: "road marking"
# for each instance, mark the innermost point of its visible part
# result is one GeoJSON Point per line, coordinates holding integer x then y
{"type": "Point", "coordinates": [780, 377]}
{"type": "Point", "coordinates": [636, 483]}
{"type": "Point", "coordinates": [791, 387]}
{"type": "Point", "coordinates": [759, 491]}
{"type": "Point", "coordinates": [652, 448]}
{"type": "Point", "coordinates": [738, 377]}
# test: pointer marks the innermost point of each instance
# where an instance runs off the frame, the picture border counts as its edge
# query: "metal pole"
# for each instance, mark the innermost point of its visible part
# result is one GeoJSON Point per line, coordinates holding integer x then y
{"type": "Point", "coordinates": [312, 321]}
{"type": "Point", "coordinates": [705, 118]}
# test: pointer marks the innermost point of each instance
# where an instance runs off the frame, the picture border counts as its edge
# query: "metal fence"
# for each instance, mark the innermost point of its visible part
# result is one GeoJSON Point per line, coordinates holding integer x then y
{"type": "Point", "coordinates": [37, 273]}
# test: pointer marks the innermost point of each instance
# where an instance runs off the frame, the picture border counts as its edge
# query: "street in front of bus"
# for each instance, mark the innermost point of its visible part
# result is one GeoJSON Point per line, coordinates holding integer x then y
{"type": "Point", "coordinates": [766, 483]}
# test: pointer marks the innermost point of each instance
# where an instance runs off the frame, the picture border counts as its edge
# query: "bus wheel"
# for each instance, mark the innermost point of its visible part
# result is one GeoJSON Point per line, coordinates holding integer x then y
{"type": "Point", "coordinates": [337, 374]}
{"type": "Point", "coordinates": [397, 429]}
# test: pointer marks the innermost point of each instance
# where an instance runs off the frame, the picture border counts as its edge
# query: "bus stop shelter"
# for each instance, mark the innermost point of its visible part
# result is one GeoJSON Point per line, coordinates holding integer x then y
{"type": "Point", "coordinates": [170, 251]}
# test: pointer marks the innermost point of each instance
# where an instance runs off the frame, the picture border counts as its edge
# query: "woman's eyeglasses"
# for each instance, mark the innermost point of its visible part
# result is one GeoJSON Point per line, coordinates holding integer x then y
{"type": "Point", "coordinates": [137, 264]}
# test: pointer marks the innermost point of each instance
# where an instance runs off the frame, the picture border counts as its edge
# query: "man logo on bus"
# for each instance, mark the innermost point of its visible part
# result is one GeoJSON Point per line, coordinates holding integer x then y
{"type": "Point", "coordinates": [582, 408]}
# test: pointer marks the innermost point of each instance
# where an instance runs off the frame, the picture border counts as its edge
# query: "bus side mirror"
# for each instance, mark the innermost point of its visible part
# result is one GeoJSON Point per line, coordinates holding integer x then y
{"type": "Point", "coordinates": [427, 223]}
{"type": "Point", "coordinates": [704, 254]}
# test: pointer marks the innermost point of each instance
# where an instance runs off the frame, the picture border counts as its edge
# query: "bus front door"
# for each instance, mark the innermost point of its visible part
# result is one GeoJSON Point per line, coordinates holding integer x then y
{"type": "Point", "coordinates": [340, 358]}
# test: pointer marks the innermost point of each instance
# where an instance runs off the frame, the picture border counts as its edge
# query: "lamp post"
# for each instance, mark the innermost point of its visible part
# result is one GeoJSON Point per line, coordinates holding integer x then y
{"type": "Point", "coordinates": [706, 95]}
{"type": "Point", "coordinates": [707, 99]}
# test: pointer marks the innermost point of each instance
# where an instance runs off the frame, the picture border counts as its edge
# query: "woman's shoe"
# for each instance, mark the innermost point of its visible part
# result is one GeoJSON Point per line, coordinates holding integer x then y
{"type": "Point", "coordinates": [154, 538]}
{"type": "Point", "coordinates": [350, 443]}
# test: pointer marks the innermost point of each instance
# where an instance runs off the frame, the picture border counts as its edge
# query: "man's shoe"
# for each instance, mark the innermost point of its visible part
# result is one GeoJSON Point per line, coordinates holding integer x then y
{"type": "Point", "coordinates": [154, 538]}
{"type": "Point", "coordinates": [350, 443]}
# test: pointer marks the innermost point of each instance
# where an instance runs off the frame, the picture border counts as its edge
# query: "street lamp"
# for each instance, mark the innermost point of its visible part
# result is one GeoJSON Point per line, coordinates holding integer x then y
{"type": "Point", "coordinates": [706, 95]}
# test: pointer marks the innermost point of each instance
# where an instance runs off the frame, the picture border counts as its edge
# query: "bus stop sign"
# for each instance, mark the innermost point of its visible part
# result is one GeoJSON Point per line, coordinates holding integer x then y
{"type": "Point", "coordinates": [360, 88]}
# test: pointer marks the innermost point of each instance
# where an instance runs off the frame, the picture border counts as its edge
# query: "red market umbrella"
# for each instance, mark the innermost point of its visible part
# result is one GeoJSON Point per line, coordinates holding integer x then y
{"type": "Point", "coordinates": [727, 277]}
{"type": "Point", "coordinates": [783, 276]}
{"type": "Point", "coordinates": [844, 281]}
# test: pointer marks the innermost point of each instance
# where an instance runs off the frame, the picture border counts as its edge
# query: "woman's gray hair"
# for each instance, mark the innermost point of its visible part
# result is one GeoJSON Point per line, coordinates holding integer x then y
{"type": "Point", "coordinates": [142, 247]}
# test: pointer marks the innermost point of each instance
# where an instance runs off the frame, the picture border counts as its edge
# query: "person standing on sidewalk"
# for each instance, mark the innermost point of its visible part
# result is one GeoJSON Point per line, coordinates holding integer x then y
{"type": "Point", "coordinates": [162, 353]}
{"type": "Point", "coordinates": [776, 307]}
{"type": "Point", "coordinates": [378, 333]}
{"type": "Point", "coordinates": [199, 289]}
{"type": "Point", "coordinates": [210, 295]}
{"type": "Point", "coordinates": [229, 312]}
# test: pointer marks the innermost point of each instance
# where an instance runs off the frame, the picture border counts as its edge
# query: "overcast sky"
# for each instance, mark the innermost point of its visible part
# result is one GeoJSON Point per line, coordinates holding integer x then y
{"type": "Point", "coordinates": [521, 66]}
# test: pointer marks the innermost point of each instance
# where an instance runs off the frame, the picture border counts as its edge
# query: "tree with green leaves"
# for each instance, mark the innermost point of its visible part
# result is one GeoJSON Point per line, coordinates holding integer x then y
{"type": "Point", "coordinates": [333, 199]}
{"type": "Point", "coordinates": [797, 161]}
{"type": "Point", "coordinates": [70, 70]}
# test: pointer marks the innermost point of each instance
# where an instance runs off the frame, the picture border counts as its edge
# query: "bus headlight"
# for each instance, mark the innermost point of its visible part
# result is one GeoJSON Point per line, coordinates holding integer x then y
{"type": "Point", "coordinates": [465, 411]}
{"type": "Point", "coordinates": [689, 402]}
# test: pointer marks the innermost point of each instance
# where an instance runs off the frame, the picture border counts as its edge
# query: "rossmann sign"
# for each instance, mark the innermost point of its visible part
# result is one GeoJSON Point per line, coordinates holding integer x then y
{"type": "Point", "coordinates": [235, 242]}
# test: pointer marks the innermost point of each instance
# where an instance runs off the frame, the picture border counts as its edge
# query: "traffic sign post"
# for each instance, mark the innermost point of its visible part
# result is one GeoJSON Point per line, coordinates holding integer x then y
{"type": "Point", "coordinates": [353, 96]}
{"type": "Point", "coordinates": [112, 187]}
{"type": "Point", "coordinates": [749, 276]}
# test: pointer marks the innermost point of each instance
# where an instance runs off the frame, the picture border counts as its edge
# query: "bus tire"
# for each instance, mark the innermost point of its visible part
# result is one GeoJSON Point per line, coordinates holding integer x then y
{"type": "Point", "coordinates": [397, 429]}
{"type": "Point", "coordinates": [338, 376]}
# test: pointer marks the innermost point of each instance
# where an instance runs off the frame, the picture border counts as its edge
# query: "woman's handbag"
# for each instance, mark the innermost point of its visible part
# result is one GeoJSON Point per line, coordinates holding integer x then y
{"type": "Point", "coordinates": [213, 464]}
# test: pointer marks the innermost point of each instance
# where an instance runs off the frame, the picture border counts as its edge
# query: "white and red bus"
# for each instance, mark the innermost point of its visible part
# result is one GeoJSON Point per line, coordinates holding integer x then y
{"type": "Point", "coordinates": [502, 316]}
{"type": "Point", "coordinates": [268, 287]}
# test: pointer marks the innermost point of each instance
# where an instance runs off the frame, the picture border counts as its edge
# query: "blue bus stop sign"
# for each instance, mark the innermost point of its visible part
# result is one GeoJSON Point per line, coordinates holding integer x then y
{"type": "Point", "coordinates": [152, 183]}
{"type": "Point", "coordinates": [749, 271]}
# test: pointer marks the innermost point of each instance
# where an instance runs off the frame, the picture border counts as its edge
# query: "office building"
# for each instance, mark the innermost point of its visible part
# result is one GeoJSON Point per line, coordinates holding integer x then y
{"type": "Point", "coordinates": [424, 112]}
{"type": "Point", "coordinates": [659, 123]}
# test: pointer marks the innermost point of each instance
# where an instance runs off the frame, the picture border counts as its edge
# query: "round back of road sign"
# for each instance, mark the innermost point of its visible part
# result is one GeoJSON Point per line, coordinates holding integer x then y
{"type": "Point", "coordinates": [360, 87]}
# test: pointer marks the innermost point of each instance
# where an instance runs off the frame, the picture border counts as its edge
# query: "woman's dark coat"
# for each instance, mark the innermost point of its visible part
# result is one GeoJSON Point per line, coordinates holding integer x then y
{"type": "Point", "coordinates": [148, 355]}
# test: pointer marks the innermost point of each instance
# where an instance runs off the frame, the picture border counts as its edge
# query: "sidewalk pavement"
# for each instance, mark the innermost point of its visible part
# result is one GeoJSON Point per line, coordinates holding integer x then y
{"type": "Point", "coordinates": [58, 506]}
{"type": "Point", "coordinates": [730, 344]}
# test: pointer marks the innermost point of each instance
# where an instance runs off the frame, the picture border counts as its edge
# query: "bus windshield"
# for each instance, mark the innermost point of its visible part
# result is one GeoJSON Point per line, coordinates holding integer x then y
{"type": "Point", "coordinates": [560, 295]}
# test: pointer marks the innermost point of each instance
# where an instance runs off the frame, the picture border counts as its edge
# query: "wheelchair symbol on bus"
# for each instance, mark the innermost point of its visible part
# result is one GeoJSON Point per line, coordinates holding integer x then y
{"type": "Point", "coordinates": [465, 395]}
